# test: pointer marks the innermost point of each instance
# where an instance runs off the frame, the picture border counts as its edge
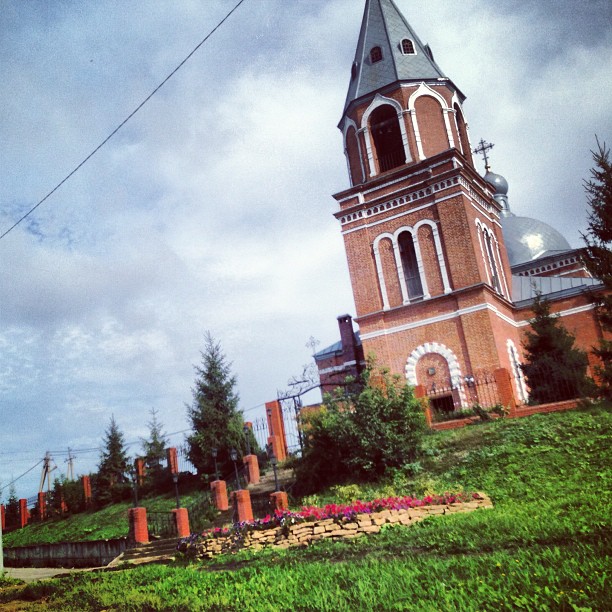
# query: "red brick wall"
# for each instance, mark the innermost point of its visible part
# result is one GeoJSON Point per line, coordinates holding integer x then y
{"type": "Point", "coordinates": [431, 125]}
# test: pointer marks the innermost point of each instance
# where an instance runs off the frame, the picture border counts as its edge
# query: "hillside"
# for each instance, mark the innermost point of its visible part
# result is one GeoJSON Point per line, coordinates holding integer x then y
{"type": "Point", "coordinates": [545, 545]}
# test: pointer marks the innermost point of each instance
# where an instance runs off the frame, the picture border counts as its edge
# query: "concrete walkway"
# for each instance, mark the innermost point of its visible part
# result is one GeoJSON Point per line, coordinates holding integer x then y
{"type": "Point", "coordinates": [32, 574]}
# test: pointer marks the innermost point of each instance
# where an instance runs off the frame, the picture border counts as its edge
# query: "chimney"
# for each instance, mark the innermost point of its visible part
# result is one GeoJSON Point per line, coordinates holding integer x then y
{"type": "Point", "coordinates": [345, 323]}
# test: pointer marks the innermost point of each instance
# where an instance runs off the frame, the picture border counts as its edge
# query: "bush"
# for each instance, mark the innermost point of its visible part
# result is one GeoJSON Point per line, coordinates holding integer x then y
{"type": "Point", "coordinates": [362, 435]}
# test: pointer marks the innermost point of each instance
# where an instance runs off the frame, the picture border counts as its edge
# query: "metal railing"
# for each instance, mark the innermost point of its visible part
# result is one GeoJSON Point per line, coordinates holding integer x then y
{"type": "Point", "coordinates": [161, 525]}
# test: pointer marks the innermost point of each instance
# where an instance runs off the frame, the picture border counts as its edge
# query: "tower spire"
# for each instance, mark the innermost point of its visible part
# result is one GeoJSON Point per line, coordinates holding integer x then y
{"type": "Point", "coordinates": [388, 51]}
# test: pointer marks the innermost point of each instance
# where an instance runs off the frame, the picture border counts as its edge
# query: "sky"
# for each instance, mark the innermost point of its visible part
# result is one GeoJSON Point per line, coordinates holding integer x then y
{"type": "Point", "coordinates": [212, 209]}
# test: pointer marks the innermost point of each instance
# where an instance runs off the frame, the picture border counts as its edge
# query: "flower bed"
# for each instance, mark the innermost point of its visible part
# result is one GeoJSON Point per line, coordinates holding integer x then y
{"type": "Point", "coordinates": [286, 528]}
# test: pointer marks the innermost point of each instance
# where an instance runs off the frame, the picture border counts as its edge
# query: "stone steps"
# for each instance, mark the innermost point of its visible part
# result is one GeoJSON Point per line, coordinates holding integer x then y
{"type": "Point", "coordinates": [157, 551]}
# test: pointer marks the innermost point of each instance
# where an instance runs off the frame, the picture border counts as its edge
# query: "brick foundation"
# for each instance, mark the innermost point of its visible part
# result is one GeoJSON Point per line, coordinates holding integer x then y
{"type": "Point", "coordinates": [181, 517]}
{"type": "Point", "coordinates": [242, 499]}
{"type": "Point", "coordinates": [279, 500]}
{"type": "Point", "coordinates": [252, 469]}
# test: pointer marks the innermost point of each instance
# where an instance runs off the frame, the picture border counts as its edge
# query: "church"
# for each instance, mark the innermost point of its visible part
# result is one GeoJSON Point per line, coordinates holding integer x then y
{"type": "Point", "coordinates": [443, 273]}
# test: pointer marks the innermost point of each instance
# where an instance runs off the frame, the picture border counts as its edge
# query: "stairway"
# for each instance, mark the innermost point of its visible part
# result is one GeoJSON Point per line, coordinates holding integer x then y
{"type": "Point", "coordinates": [158, 551]}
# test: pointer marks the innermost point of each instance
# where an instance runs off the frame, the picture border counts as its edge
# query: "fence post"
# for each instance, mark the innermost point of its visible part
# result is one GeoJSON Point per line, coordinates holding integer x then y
{"type": "Point", "coordinates": [252, 468]}
{"type": "Point", "coordinates": [181, 518]}
{"type": "Point", "coordinates": [42, 506]}
{"type": "Point", "coordinates": [279, 500]}
{"type": "Point", "coordinates": [172, 456]}
{"type": "Point", "coordinates": [242, 499]}
{"type": "Point", "coordinates": [86, 490]}
{"type": "Point", "coordinates": [2, 517]}
{"type": "Point", "coordinates": [219, 491]}
{"type": "Point", "coordinates": [139, 466]}
{"type": "Point", "coordinates": [420, 393]}
{"type": "Point", "coordinates": [23, 512]}
{"type": "Point", "coordinates": [139, 530]}
{"type": "Point", "coordinates": [504, 389]}
{"type": "Point", "coordinates": [276, 429]}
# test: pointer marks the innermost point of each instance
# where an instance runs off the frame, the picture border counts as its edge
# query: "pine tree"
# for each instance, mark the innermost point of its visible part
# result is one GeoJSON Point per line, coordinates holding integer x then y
{"type": "Point", "coordinates": [11, 512]}
{"type": "Point", "coordinates": [555, 369]}
{"type": "Point", "coordinates": [112, 480]}
{"type": "Point", "coordinates": [213, 412]}
{"type": "Point", "coordinates": [598, 256]}
{"type": "Point", "coordinates": [154, 450]}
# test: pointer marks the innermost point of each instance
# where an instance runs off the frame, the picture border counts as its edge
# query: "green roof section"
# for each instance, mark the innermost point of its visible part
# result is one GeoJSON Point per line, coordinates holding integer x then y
{"type": "Point", "coordinates": [384, 26]}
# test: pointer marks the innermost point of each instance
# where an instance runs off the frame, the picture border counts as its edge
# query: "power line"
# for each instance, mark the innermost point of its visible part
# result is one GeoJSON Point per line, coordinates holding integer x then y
{"type": "Point", "coordinates": [79, 166]}
{"type": "Point", "coordinates": [22, 475]}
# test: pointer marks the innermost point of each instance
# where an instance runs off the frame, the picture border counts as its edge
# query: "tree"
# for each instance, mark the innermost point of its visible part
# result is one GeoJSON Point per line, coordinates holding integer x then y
{"type": "Point", "coordinates": [555, 369]}
{"type": "Point", "coordinates": [362, 434]}
{"type": "Point", "coordinates": [598, 256]}
{"type": "Point", "coordinates": [213, 412]}
{"type": "Point", "coordinates": [154, 450]}
{"type": "Point", "coordinates": [11, 512]}
{"type": "Point", "coordinates": [112, 480]}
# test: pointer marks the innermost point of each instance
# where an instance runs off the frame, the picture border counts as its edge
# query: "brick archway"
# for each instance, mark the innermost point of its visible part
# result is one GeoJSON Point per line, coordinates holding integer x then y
{"type": "Point", "coordinates": [432, 347]}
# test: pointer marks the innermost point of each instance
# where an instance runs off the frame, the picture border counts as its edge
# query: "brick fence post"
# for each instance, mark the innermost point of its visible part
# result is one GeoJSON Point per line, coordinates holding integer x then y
{"type": "Point", "coordinates": [242, 499]}
{"type": "Point", "coordinates": [139, 530]}
{"type": "Point", "coordinates": [181, 519]}
{"type": "Point", "coordinates": [219, 492]}
{"type": "Point", "coordinates": [172, 456]}
{"type": "Point", "coordinates": [276, 429]}
{"type": "Point", "coordinates": [141, 472]}
{"type": "Point", "coordinates": [419, 393]}
{"type": "Point", "coordinates": [504, 389]}
{"type": "Point", "coordinates": [279, 500]}
{"type": "Point", "coordinates": [42, 506]}
{"type": "Point", "coordinates": [23, 512]}
{"type": "Point", "coordinates": [252, 468]}
{"type": "Point", "coordinates": [2, 517]}
{"type": "Point", "coordinates": [86, 481]}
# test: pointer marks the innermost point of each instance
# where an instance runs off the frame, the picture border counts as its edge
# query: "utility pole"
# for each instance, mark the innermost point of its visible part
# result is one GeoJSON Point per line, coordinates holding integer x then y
{"type": "Point", "coordinates": [70, 466]}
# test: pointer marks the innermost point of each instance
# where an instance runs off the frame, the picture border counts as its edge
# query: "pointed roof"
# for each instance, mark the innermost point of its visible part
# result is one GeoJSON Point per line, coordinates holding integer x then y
{"type": "Point", "coordinates": [384, 26]}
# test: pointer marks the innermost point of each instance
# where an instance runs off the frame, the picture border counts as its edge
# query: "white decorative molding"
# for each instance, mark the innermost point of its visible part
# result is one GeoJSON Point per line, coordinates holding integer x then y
{"type": "Point", "coordinates": [349, 123]}
{"type": "Point", "coordinates": [379, 268]}
{"type": "Point", "coordinates": [515, 364]}
{"type": "Point", "coordinates": [425, 90]}
{"type": "Point", "coordinates": [440, 255]}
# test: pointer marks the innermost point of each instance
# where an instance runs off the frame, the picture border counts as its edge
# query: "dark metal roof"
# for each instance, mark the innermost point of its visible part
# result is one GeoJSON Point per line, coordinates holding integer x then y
{"type": "Point", "coordinates": [385, 27]}
{"type": "Point", "coordinates": [334, 349]}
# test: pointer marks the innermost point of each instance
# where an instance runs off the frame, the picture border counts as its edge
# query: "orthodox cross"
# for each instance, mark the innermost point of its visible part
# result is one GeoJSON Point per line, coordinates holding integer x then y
{"type": "Point", "coordinates": [483, 148]}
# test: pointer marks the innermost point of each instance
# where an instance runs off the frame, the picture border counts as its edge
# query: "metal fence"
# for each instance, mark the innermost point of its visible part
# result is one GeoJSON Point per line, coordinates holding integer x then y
{"type": "Point", "coordinates": [462, 393]}
{"type": "Point", "coordinates": [161, 525]}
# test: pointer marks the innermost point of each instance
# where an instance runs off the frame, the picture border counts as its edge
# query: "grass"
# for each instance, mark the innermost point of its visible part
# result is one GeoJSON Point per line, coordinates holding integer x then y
{"type": "Point", "coordinates": [545, 545]}
{"type": "Point", "coordinates": [108, 523]}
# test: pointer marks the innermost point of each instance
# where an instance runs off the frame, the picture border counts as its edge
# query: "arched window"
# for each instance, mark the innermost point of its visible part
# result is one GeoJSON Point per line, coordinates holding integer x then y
{"type": "Point", "coordinates": [385, 129]}
{"type": "Point", "coordinates": [410, 266]}
{"type": "Point", "coordinates": [376, 54]}
{"type": "Point", "coordinates": [408, 47]}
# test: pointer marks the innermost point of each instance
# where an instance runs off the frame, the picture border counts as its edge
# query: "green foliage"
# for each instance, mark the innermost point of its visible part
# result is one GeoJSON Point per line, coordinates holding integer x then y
{"type": "Point", "coordinates": [112, 483]}
{"type": "Point", "coordinates": [362, 435]}
{"type": "Point", "coordinates": [544, 546]}
{"type": "Point", "coordinates": [66, 494]}
{"type": "Point", "coordinates": [214, 415]}
{"type": "Point", "coordinates": [11, 510]}
{"type": "Point", "coordinates": [154, 452]}
{"type": "Point", "coordinates": [555, 369]}
{"type": "Point", "coordinates": [598, 255]}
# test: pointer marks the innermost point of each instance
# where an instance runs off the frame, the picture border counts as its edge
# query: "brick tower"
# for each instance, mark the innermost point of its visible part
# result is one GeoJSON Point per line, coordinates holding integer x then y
{"type": "Point", "coordinates": [422, 232]}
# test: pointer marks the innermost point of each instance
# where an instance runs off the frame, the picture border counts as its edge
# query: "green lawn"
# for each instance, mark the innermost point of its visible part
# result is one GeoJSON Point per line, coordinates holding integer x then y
{"type": "Point", "coordinates": [545, 545]}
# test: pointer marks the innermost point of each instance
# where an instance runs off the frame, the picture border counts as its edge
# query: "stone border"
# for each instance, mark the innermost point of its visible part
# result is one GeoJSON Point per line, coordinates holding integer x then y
{"type": "Point", "coordinates": [302, 533]}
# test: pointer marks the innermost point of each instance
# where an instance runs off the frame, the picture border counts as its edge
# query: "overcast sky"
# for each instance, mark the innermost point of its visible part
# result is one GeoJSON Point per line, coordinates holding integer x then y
{"type": "Point", "coordinates": [211, 209]}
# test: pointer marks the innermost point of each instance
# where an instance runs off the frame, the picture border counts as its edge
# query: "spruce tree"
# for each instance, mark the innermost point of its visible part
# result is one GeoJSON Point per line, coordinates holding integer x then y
{"type": "Point", "coordinates": [112, 480]}
{"type": "Point", "coordinates": [555, 369]}
{"type": "Point", "coordinates": [213, 413]}
{"type": "Point", "coordinates": [154, 450]}
{"type": "Point", "coordinates": [11, 511]}
{"type": "Point", "coordinates": [598, 256]}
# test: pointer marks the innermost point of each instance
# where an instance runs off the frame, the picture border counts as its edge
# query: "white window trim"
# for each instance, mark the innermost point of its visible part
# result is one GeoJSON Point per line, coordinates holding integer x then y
{"type": "Point", "coordinates": [519, 379]}
{"type": "Point", "coordinates": [349, 123]}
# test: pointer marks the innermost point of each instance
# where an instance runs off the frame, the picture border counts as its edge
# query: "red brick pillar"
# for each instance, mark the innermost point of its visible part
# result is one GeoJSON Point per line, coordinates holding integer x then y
{"type": "Point", "coordinates": [419, 393]}
{"type": "Point", "coordinates": [42, 506]}
{"type": "Point", "coordinates": [276, 429]}
{"type": "Point", "coordinates": [504, 390]}
{"type": "Point", "coordinates": [242, 499]}
{"type": "Point", "coordinates": [2, 517]}
{"type": "Point", "coordinates": [139, 466]}
{"type": "Point", "coordinates": [139, 530]}
{"type": "Point", "coordinates": [172, 456]}
{"type": "Point", "coordinates": [219, 492]}
{"type": "Point", "coordinates": [252, 468]}
{"type": "Point", "coordinates": [181, 518]}
{"type": "Point", "coordinates": [279, 500]}
{"type": "Point", "coordinates": [23, 512]}
{"type": "Point", "coordinates": [86, 489]}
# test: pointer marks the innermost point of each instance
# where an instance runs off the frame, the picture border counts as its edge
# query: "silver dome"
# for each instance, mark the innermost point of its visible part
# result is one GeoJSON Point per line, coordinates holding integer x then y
{"type": "Point", "coordinates": [528, 239]}
{"type": "Point", "coordinates": [497, 181]}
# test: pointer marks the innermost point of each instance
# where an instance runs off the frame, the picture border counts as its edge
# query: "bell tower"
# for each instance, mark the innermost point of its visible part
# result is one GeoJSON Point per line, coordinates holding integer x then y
{"type": "Point", "coordinates": [422, 232]}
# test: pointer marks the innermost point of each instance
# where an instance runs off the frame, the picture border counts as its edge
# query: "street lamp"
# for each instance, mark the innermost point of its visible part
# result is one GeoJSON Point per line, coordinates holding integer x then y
{"type": "Point", "coordinates": [214, 451]}
{"type": "Point", "coordinates": [175, 481]}
{"type": "Point", "coordinates": [234, 458]}
{"type": "Point", "coordinates": [274, 463]}
{"type": "Point", "coordinates": [247, 437]}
